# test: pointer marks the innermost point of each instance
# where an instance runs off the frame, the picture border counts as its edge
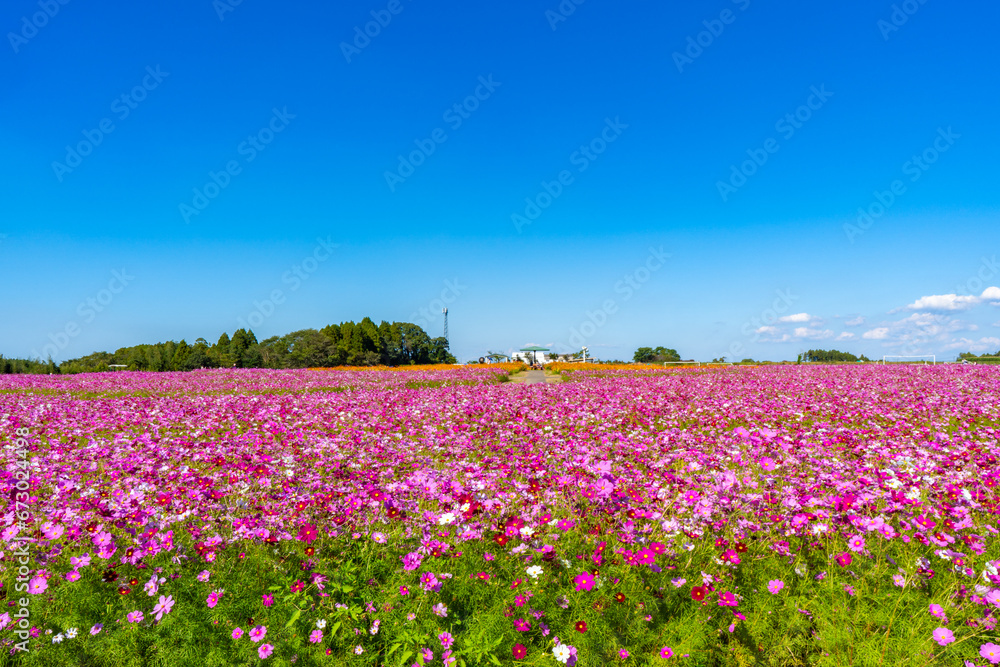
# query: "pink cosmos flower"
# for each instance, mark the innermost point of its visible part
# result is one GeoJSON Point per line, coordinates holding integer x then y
{"type": "Point", "coordinates": [646, 557]}
{"type": "Point", "coordinates": [844, 559]}
{"type": "Point", "coordinates": [237, 633]}
{"type": "Point", "coordinates": [775, 585]}
{"type": "Point", "coordinates": [265, 650]}
{"type": "Point", "coordinates": [267, 599]}
{"type": "Point", "coordinates": [165, 604]}
{"type": "Point", "coordinates": [72, 575]}
{"type": "Point", "coordinates": [936, 610]}
{"type": "Point", "coordinates": [440, 610]}
{"type": "Point", "coordinates": [943, 636]}
{"type": "Point", "coordinates": [316, 636]}
{"type": "Point", "coordinates": [623, 654]}
{"type": "Point", "coordinates": [134, 617]}
{"type": "Point", "coordinates": [584, 581]}
{"type": "Point", "coordinates": [37, 585]}
{"type": "Point", "coordinates": [522, 625]}
{"type": "Point", "coordinates": [856, 544]}
{"type": "Point", "coordinates": [991, 652]}
{"type": "Point", "coordinates": [258, 632]}
{"type": "Point", "coordinates": [213, 598]}
{"type": "Point", "coordinates": [666, 652]}
{"type": "Point", "coordinates": [82, 561]}
{"type": "Point", "coordinates": [97, 628]}
{"type": "Point", "coordinates": [446, 639]}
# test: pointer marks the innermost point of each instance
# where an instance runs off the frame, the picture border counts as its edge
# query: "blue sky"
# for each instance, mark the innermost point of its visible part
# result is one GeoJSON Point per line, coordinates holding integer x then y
{"type": "Point", "coordinates": [204, 151]}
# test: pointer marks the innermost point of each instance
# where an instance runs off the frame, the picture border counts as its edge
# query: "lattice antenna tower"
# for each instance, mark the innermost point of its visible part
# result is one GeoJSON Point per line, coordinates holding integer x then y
{"type": "Point", "coordinates": [447, 342]}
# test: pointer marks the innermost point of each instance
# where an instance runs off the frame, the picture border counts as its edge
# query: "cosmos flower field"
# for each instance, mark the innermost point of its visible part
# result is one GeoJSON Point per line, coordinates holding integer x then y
{"type": "Point", "coordinates": [778, 515]}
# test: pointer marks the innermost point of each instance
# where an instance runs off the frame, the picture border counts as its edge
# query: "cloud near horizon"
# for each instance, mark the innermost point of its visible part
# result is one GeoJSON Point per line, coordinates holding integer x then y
{"type": "Point", "coordinates": [952, 302]}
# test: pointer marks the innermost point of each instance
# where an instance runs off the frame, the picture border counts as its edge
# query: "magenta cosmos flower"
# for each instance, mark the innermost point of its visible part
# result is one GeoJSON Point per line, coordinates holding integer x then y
{"type": "Point", "coordinates": [584, 581]}
{"type": "Point", "coordinates": [265, 651]}
{"type": "Point", "coordinates": [991, 652]}
{"type": "Point", "coordinates": [258, 633]}
{"type": "Point", "coordinates": [666, 652]}
{"type": "Point", "coordinates": [316, 636]}
{"type": "Point", "coordinates": [727, 599]}
{"type": "Point", "coordinates": [134, 617]}
{"type": "Point", "coordinates": [775, 586]}
{"type": "Point", "coordinates": [267, 599]}
{"type": "Point", "coordinates": [844, 559]}
{"type": "Point", "coordinates": [237, 633]}
{"type": "Point", "coordinates": [308, 533]}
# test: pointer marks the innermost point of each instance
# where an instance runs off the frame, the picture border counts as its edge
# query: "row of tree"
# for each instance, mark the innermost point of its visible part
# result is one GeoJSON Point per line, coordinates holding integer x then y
{"type": "Point", "coordinates": [653, 355]}
{"type": "Point", "coordinates": [831, 356]}
{"type": "Point", "coordinates": [346, 344]}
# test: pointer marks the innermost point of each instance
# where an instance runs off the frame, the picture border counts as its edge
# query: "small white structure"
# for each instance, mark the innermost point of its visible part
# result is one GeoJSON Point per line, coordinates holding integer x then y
{"type": "Point", "coordinates": [526, 357]}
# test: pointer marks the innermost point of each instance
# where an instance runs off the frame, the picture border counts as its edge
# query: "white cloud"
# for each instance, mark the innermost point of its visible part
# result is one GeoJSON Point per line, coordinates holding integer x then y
{"type": "Point", "coordinates": [943, 302]}
{"type": "Point", "coordinates": [798, 317]}
{"type": "Point", "coordinates": [953, 302]}
{"type": "Point", "coordinates": [846, 336]}
{"type": "Point", "coordinates": [805, 333]}
{"type": "Point", "coordinates": [856, 322]}
{"type": "Point", "coordinates": [987, 344]}
{"type": "Point", "coordinates": [767, 330]}
{"type": "Point", "coordinates": [881, 333]}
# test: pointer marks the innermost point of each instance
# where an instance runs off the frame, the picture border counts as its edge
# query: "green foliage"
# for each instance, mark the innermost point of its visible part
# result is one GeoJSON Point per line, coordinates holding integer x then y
{"type": "Point", "coordinates": [346, 344]}
{"type": "Point", "coordinates": [651, 355]}
{"type": "Point", "coordinates": [831, 356]}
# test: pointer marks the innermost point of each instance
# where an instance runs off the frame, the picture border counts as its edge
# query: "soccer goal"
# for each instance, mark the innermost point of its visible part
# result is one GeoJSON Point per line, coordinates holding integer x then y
{"type": "Point", "coordinates": [910, 359]}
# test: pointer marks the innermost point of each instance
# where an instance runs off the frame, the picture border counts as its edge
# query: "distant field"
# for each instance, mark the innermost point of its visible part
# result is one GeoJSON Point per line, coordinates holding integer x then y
{"type": "Point", "coordinates": [772, 515]}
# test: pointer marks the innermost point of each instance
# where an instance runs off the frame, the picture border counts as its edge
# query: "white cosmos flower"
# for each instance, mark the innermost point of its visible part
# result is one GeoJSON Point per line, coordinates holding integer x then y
{"type": "Point", "coordinates": [535, 571]}
{"type": "Point", "coordinates": [561, 653]}
{"type": "Point", "coordinates": [446, 519]}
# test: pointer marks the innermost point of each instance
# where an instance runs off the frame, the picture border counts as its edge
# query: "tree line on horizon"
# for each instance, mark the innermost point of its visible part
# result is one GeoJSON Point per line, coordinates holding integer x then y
{"type": "Point", "coordinates": [345, 344]}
